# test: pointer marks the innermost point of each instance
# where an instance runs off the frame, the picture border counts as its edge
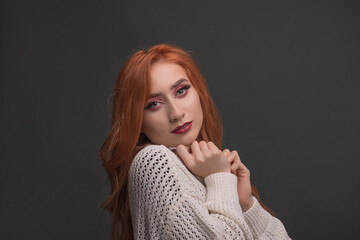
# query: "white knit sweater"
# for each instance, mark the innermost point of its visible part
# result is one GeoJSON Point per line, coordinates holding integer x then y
{"type": "Point", "coordinates": [168, 202]}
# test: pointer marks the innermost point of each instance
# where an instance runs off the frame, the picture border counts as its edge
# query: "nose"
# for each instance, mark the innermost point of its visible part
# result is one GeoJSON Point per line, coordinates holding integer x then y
{"type": "Point", "coordinates": [175, 111]}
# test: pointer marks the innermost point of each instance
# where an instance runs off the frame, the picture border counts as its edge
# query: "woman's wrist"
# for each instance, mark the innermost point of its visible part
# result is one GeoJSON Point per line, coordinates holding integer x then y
{"type": "Point", "coordinates": [246, 206]}
{"type": "Point", "coordinates": [221, 186]}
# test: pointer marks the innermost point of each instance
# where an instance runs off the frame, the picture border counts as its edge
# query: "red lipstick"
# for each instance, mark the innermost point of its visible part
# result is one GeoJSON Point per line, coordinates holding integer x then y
{"type": "Point", "coordinates": [182, 128]}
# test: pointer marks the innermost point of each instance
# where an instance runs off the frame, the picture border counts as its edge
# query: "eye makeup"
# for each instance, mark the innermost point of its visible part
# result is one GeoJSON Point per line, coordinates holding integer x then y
{"type": "Point", "coordinates": [150, 105]}
{"type": "Point", "coordinates": [184, 87]}
{"type": "Point", "coordinates": [153, 104]}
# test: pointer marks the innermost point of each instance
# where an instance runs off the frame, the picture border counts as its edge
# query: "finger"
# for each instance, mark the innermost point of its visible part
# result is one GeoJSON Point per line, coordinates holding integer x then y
{"type": "Point", "coordinates": [188, 148]}
{"type": "Point", "coordinates": [238, 157]}
{"type": "Point", "coordinates": [243, 167]}
{"type": "Point", "coordinates": [226, 152]}
{"type": "Point", "coordinates": [184, 154]}
{"type": "Point", "coordinates": [212, 146]}
{"type": "Point", "coordinates": [239, 165]}
{"type": "Point", "coordinates": [196, 150]}
{"type": "Point", "coordinates": [203, 146]}
{"type": "Point", "coordinates": [231, 157]}
{"type": "Point", "coordinates": [236, 166]}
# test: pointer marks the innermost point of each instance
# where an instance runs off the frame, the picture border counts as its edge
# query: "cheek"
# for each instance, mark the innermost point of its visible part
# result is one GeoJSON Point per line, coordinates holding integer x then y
{"type": "Point", "coordinates": [194, 104]}
{"type": "Point", "coordinates": [152, 123]}
{"type": "Point", "coordinates": [200, 111]}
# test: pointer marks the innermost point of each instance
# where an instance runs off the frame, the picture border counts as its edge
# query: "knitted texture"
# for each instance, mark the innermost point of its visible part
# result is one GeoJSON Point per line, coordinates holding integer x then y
{"type": "Point", "coordinates": [168, 202]}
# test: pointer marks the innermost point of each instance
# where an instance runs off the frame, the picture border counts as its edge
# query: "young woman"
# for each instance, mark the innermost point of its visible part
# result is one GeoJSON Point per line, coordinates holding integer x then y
{"type": "Point", "coordinates": [170, 178]}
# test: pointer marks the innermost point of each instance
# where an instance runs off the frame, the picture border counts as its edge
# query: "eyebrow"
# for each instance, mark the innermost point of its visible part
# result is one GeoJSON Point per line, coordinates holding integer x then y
{"type": "Point", "coordinates": [177, 83]}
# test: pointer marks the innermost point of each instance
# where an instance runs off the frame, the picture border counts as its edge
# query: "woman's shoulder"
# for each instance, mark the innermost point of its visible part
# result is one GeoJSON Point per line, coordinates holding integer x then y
{"type": "Point", "coordinates": [153, 156]}
{"type": "Point", "coordinates": [153, 150]}
{"type": "Point", "coordinates": [153, 165]}
{"type": "Point", "coordinates": [149, 147]}
{"type": "Point", "coordinates": [157, 164]}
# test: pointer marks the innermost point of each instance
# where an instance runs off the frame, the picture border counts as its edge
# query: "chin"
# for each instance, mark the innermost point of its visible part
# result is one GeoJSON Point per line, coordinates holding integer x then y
{"type": "Point", "coordinates": [188, 140]}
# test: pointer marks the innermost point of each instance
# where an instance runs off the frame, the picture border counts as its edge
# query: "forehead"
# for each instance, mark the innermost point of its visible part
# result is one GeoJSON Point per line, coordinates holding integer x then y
{"type": "Point", "coordinates": [163, 74]}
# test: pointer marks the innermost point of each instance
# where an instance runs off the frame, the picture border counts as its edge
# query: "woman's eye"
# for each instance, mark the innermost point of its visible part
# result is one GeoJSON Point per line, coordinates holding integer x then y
{"type": "Point", "coordinates": [152, 105]}
{"type": "Point", "coordinates": [182, 90]}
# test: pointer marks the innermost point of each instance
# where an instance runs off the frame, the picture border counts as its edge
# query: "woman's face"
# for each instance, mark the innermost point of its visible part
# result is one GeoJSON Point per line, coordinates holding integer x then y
{"type": "Point", "coordinates": [173, 103]}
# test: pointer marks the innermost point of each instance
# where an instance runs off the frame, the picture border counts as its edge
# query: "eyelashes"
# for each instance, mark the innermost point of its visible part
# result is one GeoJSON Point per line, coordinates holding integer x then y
{"type": "Point", "coordinates": [149, 106]}
{"type": "Point", "coordinates": [180, 92]}
{"type": "Point", "coordinates": [185, 87]}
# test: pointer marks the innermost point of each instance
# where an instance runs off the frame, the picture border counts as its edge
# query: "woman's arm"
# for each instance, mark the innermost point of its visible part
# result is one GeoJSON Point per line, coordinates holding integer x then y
{"type": "Point", "coordinates": [165, 206]}
{"type": "Point", "coordinates": [262, 224]}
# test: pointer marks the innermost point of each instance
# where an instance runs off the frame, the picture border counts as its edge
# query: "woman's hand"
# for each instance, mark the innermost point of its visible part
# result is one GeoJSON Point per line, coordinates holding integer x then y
{"type": "Point", "coordinates": [204, 158]}
{"type": "Point", "coordinates": [243, 177]}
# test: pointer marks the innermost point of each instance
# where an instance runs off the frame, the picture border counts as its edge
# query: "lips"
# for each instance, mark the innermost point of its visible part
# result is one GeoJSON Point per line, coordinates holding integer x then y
{"type": "Point", "coordinates": [180, 129]}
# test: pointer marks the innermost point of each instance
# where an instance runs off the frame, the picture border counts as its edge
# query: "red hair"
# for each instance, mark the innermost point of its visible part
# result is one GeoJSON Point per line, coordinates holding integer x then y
{"type": "Point", "coordinates": [131, 91]}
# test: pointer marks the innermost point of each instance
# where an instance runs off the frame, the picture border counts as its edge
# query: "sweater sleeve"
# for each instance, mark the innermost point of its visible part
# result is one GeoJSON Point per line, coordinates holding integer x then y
{"type": "Point", "coordinates": [165, 205]}
{"type": "Point", "coordinates": [263, 225]}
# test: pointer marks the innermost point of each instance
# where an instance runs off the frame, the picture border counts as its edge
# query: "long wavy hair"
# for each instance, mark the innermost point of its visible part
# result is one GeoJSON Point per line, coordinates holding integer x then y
{"type": "Point", "coordinates": [131, 91]}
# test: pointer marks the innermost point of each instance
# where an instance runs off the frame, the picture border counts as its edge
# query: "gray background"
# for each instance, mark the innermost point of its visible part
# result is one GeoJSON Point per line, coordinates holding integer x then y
{"type": "Point", "coordinates": [284, 75]}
